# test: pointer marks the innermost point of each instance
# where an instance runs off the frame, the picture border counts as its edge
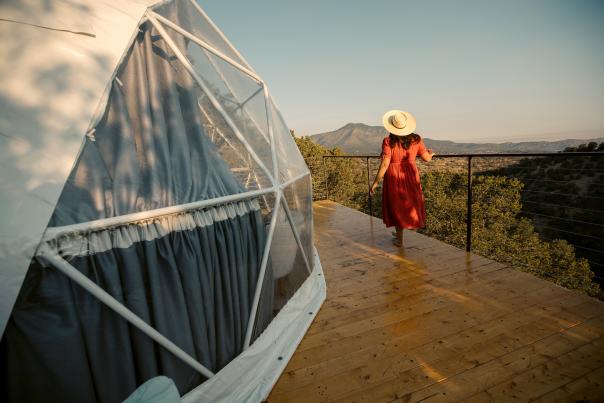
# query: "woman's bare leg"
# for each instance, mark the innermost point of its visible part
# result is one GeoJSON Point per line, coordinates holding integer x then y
{"type": "Point", "coordinates": [398, 241]}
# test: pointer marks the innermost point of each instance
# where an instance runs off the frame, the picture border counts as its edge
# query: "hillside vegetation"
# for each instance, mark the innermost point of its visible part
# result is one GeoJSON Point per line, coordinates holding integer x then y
{"type": "Point", "coordinates": [502, 230]}
{"type": "Point", "coordinates": [563, 196]}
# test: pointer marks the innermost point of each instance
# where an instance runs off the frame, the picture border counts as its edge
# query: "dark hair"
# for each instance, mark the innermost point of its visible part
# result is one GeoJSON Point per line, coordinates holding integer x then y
{"type": "Point", "coordinates": [404, 141]}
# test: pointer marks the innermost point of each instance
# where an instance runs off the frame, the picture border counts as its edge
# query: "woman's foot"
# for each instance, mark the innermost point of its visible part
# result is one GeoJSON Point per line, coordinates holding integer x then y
{"type": "Point", "coordinates": [397, 242]}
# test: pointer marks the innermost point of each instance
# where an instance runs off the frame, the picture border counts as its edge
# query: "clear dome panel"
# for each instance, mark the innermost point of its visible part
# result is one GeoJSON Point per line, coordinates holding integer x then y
{"type": "Point", "coordinates": [298, 197]}
{"type": "Point", "coordinates": [286, 271]}
{"type": "Point", "coordinates": [161, 142]}
{"type": "Point", "coordinates": [266, 203]}
{"type": "Point", "coordinates": [240, 97]}
{"type": "Point", "coordinates": [234, 152]}
{"type": "Point", "coordinates": [189, 17]}
{"type": "Point", "coordinates": [255, 114]}
{"type": "Point", "coordinates": [290, 161]}
{"type": "Point", "coordinates": [245, 95]}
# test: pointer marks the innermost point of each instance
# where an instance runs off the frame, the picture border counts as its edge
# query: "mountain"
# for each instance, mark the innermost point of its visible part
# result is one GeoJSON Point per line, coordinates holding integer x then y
{"type": "Point", "coordinates": [358, 138]}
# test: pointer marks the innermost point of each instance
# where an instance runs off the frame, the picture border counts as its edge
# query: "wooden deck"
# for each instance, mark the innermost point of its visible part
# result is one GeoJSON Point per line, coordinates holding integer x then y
{"type": "Point", "coordinates": [431, 322]}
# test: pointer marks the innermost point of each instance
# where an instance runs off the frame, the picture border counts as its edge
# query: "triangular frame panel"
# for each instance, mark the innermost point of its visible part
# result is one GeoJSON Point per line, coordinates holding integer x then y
{"type": "Point", "coordinates": [284, 170]}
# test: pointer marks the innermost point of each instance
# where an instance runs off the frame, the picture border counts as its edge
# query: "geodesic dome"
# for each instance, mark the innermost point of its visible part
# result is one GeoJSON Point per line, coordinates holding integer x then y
{"type": "Point", "coordinates": [157, 214]}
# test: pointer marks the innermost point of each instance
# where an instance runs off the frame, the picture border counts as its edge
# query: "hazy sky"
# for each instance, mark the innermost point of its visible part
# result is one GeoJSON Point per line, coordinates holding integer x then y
{"type": "Point", "coordinates": [468, 70]}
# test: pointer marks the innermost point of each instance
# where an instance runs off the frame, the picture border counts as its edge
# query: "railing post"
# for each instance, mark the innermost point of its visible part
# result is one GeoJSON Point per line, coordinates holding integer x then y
{"type": "Point", "coordinates": [469, 208]}
{"type": "Point", "coordinates": [325, 176]}
{"type": "Point", "coordinates": [369, 188]}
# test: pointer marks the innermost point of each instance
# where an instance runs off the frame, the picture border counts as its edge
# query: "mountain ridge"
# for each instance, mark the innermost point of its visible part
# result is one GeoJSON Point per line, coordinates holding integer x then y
{"type": "Point", "coordinates": [359, 138]}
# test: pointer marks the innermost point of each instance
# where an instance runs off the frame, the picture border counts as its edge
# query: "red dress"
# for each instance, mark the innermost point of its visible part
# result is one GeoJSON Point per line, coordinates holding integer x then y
{"type": "Point", "coordinates": [402, 197]}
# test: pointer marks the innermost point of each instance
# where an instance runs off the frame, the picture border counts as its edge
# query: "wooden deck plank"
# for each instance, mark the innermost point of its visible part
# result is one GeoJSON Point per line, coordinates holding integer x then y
{"type": "Point", "coordinates": [556, 371]}
{"type": "Point", "coordinates": [463, 384]}
{"type": "Point", "coordinates": [429, 319]}
{"type": "Point", "coordinates": [426, 316]}
{"type": "Point", "coordinates": [356, 310]}
{"type": "Point", "coordinates": [400, 311]}
{"type": "Point", "coordinates": [587, 388]}
{"type": "Point", "coordinates": [456, 347]}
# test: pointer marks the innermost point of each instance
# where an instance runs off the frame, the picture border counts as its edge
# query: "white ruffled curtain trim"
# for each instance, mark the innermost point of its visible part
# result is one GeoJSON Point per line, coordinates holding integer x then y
{"type": "Point", "coordinates": [123, 236]}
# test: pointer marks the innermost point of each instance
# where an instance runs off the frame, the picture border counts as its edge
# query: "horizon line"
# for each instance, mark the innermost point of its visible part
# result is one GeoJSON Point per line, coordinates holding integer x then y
{"type": "Point", "coordinates": [587, 134]}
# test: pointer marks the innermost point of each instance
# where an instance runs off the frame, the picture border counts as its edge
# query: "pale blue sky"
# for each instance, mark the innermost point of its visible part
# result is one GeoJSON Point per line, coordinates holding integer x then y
{"type": "Point", "coordinates": [468, 70]}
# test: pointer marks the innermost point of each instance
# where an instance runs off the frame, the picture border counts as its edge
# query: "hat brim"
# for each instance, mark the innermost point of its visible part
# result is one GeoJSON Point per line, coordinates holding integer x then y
{"type": "Point", "coordinates": [408, 129]}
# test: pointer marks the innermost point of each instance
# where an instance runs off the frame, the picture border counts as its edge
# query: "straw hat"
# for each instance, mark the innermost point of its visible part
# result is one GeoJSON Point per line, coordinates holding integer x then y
{"type": "Point", "coordinates": [399, 123]}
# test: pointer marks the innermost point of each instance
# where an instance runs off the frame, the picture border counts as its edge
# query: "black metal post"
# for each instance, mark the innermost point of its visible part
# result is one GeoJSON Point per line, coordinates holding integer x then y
{"type": "Point", "coordinates": [469, 208]}
{"type": "Point", "coordinates": [369, 188]}
{"type": "Point", "coordinates": [325, 175]}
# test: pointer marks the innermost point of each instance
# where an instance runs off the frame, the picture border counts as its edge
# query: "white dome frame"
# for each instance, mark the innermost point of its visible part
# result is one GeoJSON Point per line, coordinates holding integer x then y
{"type": "Point", "coordinates": [251, 375]}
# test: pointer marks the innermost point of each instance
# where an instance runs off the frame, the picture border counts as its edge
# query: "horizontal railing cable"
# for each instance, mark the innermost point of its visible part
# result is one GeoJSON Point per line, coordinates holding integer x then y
{"type": "Point", "coordinates": [540, 173]}
{"type": "Point", "coordinates": [562, 218]}
{"type": "Point", "coordinates": [571, 232]}
{"type": "Point", "coordinates": [561, 169]}
{"type": "Point", "coordinates": [485, 155]}
{"type": "Point", "coordinates": [600, 252]}
{"type": "Point", "coordinates": [563, 206]}
{"type": "Point", "coordinates": [563, 194]}
{"type": "Point", "coordinates": [524, 178]}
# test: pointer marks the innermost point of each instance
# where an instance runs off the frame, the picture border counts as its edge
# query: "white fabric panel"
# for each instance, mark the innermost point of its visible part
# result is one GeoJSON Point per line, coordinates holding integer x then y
{"type": "Point", "coordinates": [251, 376]}
{"type": "Point", "coordinates": [124, 236]}
{"type": "Point", "coordinates": [57, 15]}
{"type": "Point", "coordinates": [58, 58]}
{"type": "Point", "coordinates": [51, 84]}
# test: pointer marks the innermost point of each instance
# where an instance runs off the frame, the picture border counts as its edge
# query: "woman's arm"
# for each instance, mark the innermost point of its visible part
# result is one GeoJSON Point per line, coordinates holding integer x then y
{"type": "Point", "coordinates": [427, 155]}
{"type": "Point", "coordinates": [380, 174]}
{"type": "Point", "coordinates": [424, 153]}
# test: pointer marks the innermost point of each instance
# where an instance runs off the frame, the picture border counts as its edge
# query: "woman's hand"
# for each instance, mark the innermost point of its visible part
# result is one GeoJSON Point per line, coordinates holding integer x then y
{"type": "Point", "coordinates": [373, 187]}
{"type": "Point", "coordinates": [427, 155]}
{"type": "Point", "coordinates": [380, 174]}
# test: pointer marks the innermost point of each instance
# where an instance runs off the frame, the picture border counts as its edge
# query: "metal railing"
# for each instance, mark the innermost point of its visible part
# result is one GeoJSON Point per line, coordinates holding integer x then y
{"type": "Point", "coordinates": [469, 159]}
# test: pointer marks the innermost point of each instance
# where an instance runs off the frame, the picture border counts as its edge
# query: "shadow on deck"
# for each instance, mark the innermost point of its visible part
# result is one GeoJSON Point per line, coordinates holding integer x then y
{"type": "Point", "coordinates": [431, 322]}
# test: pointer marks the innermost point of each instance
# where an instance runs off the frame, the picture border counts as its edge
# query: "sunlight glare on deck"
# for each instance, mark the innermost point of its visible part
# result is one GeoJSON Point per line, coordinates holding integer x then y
{"type": "Point", "coordinates": [432, 322]}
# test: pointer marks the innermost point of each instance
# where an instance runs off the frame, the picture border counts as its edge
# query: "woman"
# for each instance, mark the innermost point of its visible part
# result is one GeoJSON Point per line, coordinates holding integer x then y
{"type": "Point", "coordinates": [402, 198]}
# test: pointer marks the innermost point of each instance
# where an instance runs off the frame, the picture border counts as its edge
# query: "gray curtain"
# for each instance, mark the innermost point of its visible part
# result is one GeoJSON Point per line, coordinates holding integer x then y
{"type": "Point", "coordinates": [193, 282]}
{"type": "Point", "coordinates": [150, 150]}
